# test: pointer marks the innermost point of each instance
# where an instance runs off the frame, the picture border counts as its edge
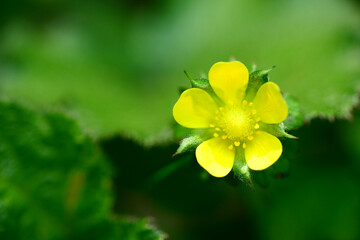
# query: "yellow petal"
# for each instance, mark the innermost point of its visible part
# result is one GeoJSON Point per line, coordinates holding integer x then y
{"type": "Point", "coordinates": [229, 80]}
{"type": "Point", "coordinates": [270, 105]}
{"type": "Point", "coordinates": [262, 151]}
{"type": "Point", "coordinates": [215, 157]}
{"type": "Point", "coordinates": [195, 109]}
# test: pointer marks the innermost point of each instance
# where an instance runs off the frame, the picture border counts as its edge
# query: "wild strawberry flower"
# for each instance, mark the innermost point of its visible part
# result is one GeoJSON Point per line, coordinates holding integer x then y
{"type": "Point", "coordinates": [236, 121]}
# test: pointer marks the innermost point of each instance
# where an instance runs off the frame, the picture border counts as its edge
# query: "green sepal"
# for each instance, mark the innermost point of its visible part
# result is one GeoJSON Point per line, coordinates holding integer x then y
{"type": "Point", "coordinates": [278, 130]}
{"type": "Point", "coordinates": [189, 143]}
{"type": "Point", "coordinates": [241, 169]}
{"type": "Point", "coordinates": [295, 117]}
{"type": "Point", "coordinates": [202, 83]}
{"type": "Point", "coordinates": [256, 79]}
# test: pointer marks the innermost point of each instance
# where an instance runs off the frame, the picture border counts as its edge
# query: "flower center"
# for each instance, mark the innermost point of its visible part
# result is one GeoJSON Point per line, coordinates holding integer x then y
{"type": "Point", "coordinates": [236, 123]}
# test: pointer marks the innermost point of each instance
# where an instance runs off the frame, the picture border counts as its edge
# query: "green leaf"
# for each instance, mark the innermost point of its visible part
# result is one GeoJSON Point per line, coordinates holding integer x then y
{"type": "Point", "coordinates": [112, 82]}
{"type": "Point", "coordinates": [137, 229]}
{"type": "Point", "coordinates": [64, 67]}
{"type": "Point", "coordinates": [54, 182]}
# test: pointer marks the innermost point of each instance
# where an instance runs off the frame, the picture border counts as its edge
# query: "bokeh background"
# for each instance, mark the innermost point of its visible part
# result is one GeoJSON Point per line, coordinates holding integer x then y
{"type": "Point", "coordinates": [114, 69]}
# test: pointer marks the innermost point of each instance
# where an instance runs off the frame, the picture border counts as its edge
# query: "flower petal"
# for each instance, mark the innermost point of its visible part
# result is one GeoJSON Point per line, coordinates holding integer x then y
{"type": "Point", "coordinates": [269, 104]}
{"type": "Point", "coordinates": [229, 80]}
{"type": "Point", "coordinates": [215, 156]}
{"type": "Point", "coordinates": [263, 151]}
{"type": "Point", "coordinates": [194, 109]}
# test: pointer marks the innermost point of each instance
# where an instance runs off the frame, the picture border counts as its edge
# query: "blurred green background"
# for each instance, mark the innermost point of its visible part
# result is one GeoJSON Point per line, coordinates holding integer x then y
{"type": "Point", "coordinates": [86, 135]}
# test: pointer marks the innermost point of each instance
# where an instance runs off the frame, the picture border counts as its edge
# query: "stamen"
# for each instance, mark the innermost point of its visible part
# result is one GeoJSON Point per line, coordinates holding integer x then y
{"type": "Point", "coordinates": [253, 112]}
{"type": "Point", "coordinates": [257, 126]}
{"type": "Point", "coordinates": [244, 145]}
{"type": "Point", "coordinates": [224, 137]}
{"type": "Point", "coordinates": [217, 129]}
{"type": "Point", "coordinates": [216, 135]}
{"type": "Point", "coordinates": [237, 144]}
{"type": "Point", "coordinates": [250, 104]}
{"type": "Point", "coordinates": [250, 138]}
{"type": "Point", "coordinates": [231, 147]}
{"type": "Point", "coordinates": [212, 125]}
{"type": "Point", "coordinates": [244, 102]}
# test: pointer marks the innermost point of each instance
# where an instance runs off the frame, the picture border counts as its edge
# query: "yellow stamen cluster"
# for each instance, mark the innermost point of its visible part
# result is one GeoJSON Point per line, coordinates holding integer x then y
{"type": "Point", "coordinates": [236, 124]}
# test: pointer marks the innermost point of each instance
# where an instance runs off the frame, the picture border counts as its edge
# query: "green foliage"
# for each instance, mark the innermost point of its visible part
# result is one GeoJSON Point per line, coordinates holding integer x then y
{"type": "Point", "coordinates": [65, 67]}
{"type": "Point", "coordinates": [316, 63]}
{"type": "Point", "coordinates": [54, 181]}
{"type": "Point", "coordinates": [122, 78]}
{"type": "Point", "coordinates": [137, 229]}
{"type": "Point", "coordinates": [115, 66]}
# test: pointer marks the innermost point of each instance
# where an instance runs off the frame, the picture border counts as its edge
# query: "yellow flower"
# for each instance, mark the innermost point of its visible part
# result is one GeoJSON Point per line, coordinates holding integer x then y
{"type": "Point", "coordinates": [234, 121]}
